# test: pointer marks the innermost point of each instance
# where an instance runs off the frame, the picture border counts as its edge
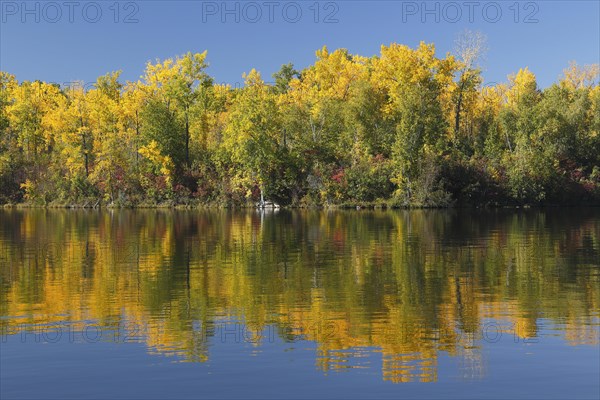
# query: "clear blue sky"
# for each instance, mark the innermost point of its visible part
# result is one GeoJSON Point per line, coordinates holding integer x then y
{"type": "Point", "coordinates": [65, 44]}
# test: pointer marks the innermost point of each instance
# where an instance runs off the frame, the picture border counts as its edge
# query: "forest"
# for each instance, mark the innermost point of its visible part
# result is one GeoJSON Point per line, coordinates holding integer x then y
{"type": "Point", "coordinates": [405, 128]}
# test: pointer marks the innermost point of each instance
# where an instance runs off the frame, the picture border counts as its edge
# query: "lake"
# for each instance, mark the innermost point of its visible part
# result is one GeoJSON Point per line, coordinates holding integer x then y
{"type": "Point", "coordinates": [296, 304]}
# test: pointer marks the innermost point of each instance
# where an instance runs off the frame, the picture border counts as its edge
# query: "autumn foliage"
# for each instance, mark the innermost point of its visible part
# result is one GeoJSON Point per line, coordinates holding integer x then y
{"type": "Point", "coordinates": [404, 128]}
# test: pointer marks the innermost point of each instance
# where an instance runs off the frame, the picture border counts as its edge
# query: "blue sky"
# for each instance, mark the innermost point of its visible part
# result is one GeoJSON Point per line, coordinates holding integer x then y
{"type": "Point", "coordinates": [64, 41]}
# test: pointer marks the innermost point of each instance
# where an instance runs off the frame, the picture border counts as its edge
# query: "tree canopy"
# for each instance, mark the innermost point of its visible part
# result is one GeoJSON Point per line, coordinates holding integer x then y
{"type": "Point", "coordinates": [407, 127]}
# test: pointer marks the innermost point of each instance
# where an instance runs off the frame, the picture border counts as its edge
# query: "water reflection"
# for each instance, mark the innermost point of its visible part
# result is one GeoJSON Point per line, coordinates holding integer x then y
{"type": "Point", "coordinates": [410, 285]}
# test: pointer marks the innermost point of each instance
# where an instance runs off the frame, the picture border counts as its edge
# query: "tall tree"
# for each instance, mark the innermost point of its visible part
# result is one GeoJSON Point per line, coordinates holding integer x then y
{"type": "Point", "coordinates": [413, 81]}
{"type": "Point", "coordinates": [251, 138]}
{"type": "Point", "coordinates": [469, 49]}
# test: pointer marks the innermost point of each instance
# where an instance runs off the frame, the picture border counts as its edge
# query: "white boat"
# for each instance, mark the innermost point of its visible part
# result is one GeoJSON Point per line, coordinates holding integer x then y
{"type": "Point", "coordinates": [267, 204]}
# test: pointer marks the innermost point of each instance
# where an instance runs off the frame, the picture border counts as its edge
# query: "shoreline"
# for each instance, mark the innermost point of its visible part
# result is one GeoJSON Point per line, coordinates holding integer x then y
{"type": "Point", "coordinates": [344, 207]}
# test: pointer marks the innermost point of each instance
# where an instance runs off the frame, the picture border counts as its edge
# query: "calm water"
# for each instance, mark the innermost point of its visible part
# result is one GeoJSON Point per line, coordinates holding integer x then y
{"type": "Point", "coordinates": [396, 304]}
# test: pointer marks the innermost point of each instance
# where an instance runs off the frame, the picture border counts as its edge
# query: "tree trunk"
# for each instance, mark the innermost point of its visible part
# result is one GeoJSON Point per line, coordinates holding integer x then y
{"type": "Point", "coordinates": [85, 152]}
{"type": "Point", "coordinates": [262, 196]}
{"type": "Point", "coordinates": [459, 105]}
{"type": "Point", "coordinates": [187, 139]}
{"type": "Point", "coordinates": [137, 135]}
{"type": "Point", "coordinates": [457, 116]}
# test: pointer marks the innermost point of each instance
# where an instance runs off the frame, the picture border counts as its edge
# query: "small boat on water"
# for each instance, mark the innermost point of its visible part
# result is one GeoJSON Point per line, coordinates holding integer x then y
{"type": "Point", "coordinates": [267, 204]}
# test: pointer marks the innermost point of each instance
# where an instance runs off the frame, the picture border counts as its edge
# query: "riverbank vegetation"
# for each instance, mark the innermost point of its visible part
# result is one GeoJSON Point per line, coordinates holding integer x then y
{"type": "Point", "coordinates": [404, 128]}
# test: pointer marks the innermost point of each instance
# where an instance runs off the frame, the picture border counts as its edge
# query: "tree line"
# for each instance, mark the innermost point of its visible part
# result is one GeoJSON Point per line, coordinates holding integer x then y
{"type": "Point", "coordinates": [404, 128]}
